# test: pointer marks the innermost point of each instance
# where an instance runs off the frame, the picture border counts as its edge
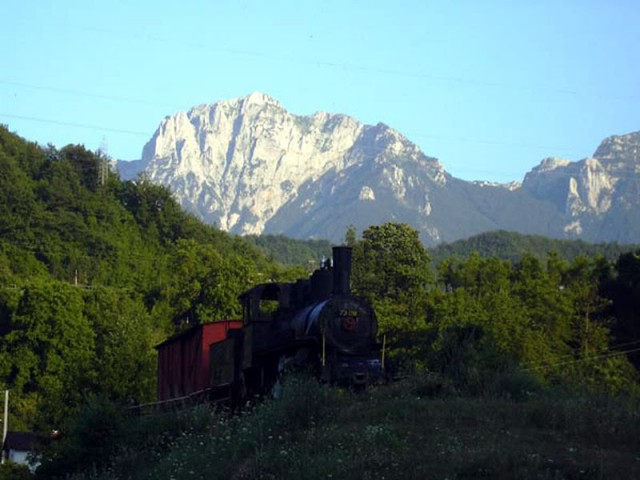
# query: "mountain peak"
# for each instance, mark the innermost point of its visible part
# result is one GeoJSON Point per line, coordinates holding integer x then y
{"type": "Point", "coordinates": [620, 149]}
{"type": "Point", "coordinates": [551, 163]}
{"type": "Point", "coordinates": [238, 163]}
{"type": "Point", "coordinates": [260, 98]}
{"type": "Point", "coordinates": [249, 166]}
{"type": "Point", "coordinates": [254, 98]}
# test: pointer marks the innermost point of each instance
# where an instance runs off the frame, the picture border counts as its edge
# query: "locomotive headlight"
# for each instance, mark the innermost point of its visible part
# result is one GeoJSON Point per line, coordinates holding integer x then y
{"type": "Point", "coordinates": [349, 324]}
{"type": "Point", "coordinates": [348, 319]}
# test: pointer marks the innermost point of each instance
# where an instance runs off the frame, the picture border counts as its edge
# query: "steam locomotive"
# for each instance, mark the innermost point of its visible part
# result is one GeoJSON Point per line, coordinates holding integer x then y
{"type": "Point", "coordinates": [314, 323]}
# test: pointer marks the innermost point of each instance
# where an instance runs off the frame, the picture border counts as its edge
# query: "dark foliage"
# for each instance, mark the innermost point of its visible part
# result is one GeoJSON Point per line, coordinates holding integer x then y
{"type": "Point", "coordinates": [512, 246]}
{"type": "Point", "coordinates": [291, 252]}
{"type": "Point", "coordinates": [93, 273]}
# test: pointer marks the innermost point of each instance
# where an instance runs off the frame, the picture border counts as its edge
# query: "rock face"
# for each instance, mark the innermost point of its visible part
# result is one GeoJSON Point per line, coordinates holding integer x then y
{"type": "Point", "coordinates": [249, 166]}
{"type": "Point", "coordinates": [599, 195]}
{"type": "Point", "coordinates": [241, 163]}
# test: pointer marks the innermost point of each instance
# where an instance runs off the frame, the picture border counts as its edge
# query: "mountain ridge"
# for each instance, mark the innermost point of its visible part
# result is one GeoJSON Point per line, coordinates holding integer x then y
{"type": "Point", "coordinates": [251, 167]}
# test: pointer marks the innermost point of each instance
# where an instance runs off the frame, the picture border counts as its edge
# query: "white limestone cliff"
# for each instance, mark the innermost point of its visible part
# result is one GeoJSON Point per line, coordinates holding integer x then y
{"type": "Point", "coordinates": [250, 166]}
{"type": "Point", "coordinates": [238, 162]}
{"type": "Point", "coordinates": [587, 190]}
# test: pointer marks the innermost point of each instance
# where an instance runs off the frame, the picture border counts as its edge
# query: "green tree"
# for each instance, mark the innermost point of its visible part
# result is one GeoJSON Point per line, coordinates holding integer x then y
{"type": "Point", "coordinates": [550, 318]}
{"type": "Point", "coordinates": [206, 284]}
{"type": "Point", "coordinates": [478, 293]}
{"type": "Point", "coordinates": [49, 353]}
{"type": "Point", "coordinates": [591, 326]}
{"type": "Point", "coordinates": [623, 290]}
{"type": "Point", "coordinates": [392, 268]}
{"type": "Point", "coordinates": [141, 262]}
{"type": "Point", "coordinates": [125, 358]}
{"type": "Point", "coordinates": [351, 236]}
{"type": "Point", "coordinates": [85, 163]}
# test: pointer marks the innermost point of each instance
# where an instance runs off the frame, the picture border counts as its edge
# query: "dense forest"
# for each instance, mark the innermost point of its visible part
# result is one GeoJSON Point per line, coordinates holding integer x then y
{"type": "Point", "coordinates": [292, 252]}
{"type": "Point", "coordinates": [512, 245]}
{"type": "Point", "coordinates": [497, 244]}
{"type": "Point", "coordinates": [95, 271]}
{"type": "Point", "coordinates": [574, 322]}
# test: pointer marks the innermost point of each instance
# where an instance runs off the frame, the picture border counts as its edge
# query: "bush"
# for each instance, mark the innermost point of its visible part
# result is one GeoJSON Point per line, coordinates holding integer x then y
{"type": "Point", "coordinates": [13, 471]}
{"type": "Point", "coordinates": [513, 384]}
{"type": "Point", "coordinates": [468, 358]}
{"type": "Point", "coordinates": [94, 437]}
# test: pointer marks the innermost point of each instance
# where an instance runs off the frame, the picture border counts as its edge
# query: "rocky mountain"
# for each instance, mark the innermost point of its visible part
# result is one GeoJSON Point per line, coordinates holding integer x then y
{"type": "Point", "coordinates": [598, 196]}
{"type": "Point", "coordinates": [250, 166]}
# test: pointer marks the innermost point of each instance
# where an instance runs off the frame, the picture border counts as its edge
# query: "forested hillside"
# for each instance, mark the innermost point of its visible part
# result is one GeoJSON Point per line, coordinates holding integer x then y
{"type": "Point", "coordinates": [292, 252]}
{"type": "Point", "coordinates": [512, 246]}
{"type": "Point", "coordinates": [499, 244]}
{"type": "Point", "coordinates": [574, 322]}
{"type": "Point", "coordinates": [93, 273]}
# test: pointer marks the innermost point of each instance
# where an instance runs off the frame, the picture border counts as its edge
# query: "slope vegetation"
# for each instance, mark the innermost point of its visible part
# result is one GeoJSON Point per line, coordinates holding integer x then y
{"type": "Point", "coordinates": [512, 246]}
{"type": "Point", "coordinates": [420, 428]}
{"type": "Point", "coordinates": [93, 273]}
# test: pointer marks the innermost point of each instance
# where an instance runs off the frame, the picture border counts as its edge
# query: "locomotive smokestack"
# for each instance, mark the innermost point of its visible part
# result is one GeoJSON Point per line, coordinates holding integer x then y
{"type": "Point", "coordinates": [341, 270]}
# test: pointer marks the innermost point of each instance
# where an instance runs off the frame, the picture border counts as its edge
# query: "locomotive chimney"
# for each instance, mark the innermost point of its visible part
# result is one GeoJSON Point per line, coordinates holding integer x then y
{"type": "Point", "coordinates": [341, 270]}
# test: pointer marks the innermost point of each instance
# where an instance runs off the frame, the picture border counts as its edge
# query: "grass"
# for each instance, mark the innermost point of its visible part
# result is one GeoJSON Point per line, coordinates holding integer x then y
{"type": "Point", "coordinates": [419, 428]}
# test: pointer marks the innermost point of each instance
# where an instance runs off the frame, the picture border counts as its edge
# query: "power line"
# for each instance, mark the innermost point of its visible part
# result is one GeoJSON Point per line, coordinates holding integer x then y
{"type": "Point", "coordinates": [610, 349]}
{"type": "Point", "coordinates": [68, 254]}
{"type": "Point", "coordinates": [448, 168]}
{"type": "Point", "coordinates": [487, 141]}
{"type": "Point", "coordinates": [584, 359]}
{"type": "Point", "coordinates": [73, 124]}
{"type": "Point", "coordinates": [444, 138]}
{"type": "Point", "coordinates": [82, 93]}
{"type": "Point", "coordinates": [365, 68]}
{"type": "Point", "coordinates": [481, 141]}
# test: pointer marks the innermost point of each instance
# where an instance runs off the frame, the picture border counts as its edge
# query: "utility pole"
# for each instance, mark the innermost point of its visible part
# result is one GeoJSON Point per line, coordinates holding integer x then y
{"type": "Point", "coordinates": [103, 167]}
{"type": "Point", "coordinates": [5, 423]}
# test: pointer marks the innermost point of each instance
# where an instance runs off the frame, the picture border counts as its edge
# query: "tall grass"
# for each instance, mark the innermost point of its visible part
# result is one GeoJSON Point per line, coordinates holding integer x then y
{"type": "Point", "coordinates": [423, 427]}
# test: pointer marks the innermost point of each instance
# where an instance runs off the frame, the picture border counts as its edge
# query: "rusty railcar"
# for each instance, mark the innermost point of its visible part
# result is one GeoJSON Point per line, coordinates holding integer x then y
{"type": "Point", "coordinates": [183, 360]}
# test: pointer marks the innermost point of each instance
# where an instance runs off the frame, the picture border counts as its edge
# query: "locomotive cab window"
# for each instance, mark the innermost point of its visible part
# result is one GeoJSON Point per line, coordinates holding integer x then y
{"type": "Point", "coordinates": [260, 303]}
{"type": "Point", "coordinates": [266, 308]}
{"type": "Point", "coordinates": [268, 302]}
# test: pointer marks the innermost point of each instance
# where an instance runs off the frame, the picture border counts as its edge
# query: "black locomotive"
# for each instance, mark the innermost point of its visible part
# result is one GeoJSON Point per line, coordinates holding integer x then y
{"type": "Point", "coordinates": [314, 323]}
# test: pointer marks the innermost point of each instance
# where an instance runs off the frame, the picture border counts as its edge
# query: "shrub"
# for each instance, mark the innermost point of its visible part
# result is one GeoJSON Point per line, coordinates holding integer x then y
{"type": "Point", "coordinates": [13, 471]}
{"type": "Point", "coordinates": [93, 438]}
{"type": "Point", "coordinates": [513, 383]}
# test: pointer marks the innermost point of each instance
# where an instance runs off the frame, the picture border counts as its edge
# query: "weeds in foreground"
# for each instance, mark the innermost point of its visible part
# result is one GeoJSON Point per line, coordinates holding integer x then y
{"type": "Point", "coordinates": [421, 427]}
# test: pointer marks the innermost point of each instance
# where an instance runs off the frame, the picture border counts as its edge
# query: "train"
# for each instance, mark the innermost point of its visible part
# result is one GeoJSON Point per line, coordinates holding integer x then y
{"type": "Point", "coordinates": [314, 324]}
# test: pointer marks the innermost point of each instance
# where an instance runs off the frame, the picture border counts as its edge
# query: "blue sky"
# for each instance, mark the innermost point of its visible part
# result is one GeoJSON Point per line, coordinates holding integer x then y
{"type": "Point", "coordinates": [488, 87]}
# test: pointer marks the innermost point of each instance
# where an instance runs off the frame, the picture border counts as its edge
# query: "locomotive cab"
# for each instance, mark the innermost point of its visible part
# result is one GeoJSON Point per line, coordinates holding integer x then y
{"type": "Point", "coordinates": [265, 302]}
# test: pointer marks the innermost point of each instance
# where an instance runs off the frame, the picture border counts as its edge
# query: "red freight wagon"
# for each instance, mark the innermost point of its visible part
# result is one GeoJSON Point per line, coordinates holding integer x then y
{"type": "Point", "coordinates": [183, 360]}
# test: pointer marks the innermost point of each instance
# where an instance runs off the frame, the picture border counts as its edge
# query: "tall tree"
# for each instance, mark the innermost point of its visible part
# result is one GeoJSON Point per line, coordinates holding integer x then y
{"type": "Point", "coordinates": [205, 285]}
{"type": "Point", "coordinates": [392, 268]}
{"type": "Point", "coordinates": [48, 356]}
{"type": "Point", "coordinates": [623, 289]}
{"type": "Point", "coordinates": [125, 358]}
